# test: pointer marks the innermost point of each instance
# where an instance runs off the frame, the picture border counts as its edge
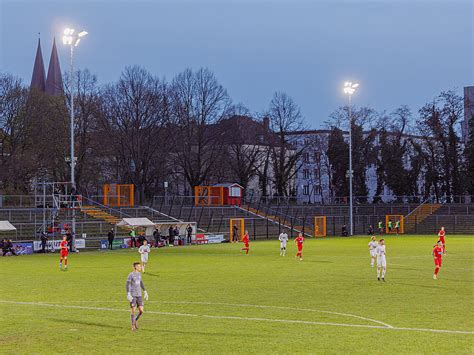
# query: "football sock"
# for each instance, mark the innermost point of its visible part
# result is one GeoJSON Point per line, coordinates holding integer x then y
{"type": "Point", "coordinates": [378, 273]}
{"type": "Point", "coordinates": [383, 273]}
{"type": "Point", "coordinates": [436, 271]}
{"type": "Point", "coordinates": [138, 316]}
{"type": "Point", "coordinates": [65, 262]}
{"type": "Point", "coordinates": [132, 319]}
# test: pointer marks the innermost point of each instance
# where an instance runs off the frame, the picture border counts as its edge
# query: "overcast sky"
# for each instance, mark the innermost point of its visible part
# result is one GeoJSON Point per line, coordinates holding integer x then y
{"type": "Point", "coordinates": [401, 52]}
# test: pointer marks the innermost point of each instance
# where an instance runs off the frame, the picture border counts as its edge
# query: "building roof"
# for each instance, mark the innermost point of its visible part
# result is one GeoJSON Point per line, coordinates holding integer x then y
{"type": "Point", "coordinates": [54, 81]}
{"type": "Point", "coordinates": [244, 130]}
{"type": "Point", "coordinates": [227, 184]}
{"type": "Point", "coordinates": [38, 78]}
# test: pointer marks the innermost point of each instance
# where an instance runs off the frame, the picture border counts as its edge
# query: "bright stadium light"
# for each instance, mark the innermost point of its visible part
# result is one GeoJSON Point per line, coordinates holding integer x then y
{"type": "Point", "coordinates": [72, 40]}
{"type": "Point", "coordinates": [349, 89]}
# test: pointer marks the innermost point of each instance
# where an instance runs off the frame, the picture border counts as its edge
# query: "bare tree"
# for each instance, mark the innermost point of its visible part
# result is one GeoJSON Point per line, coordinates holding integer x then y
{"type": "Point", "coordinates": [437, 125]}
{"type": "Point", "coordinates": [133, 117]}
{"type": "Point", "coordinates": [13, 130]}
{"type": "Point", "coordinates": [199, 103]}
{"type": "Point", "coordinates": [285, 119]}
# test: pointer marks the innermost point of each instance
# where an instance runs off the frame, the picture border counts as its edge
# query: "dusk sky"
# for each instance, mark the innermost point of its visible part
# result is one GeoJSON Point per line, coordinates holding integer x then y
{"type": "Point", "coordinates": [401, 52]}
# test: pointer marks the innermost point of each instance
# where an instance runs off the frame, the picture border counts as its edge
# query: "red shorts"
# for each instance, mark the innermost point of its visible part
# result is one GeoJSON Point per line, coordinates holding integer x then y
{"type": "Point", "coordinates": [438, 261]}
{"type": "Point", "coordinates": [300, 250]}
{"type": "Point", "coordinates": [246, 245]}
{"type": "Point", "coordinates": [64, 253]}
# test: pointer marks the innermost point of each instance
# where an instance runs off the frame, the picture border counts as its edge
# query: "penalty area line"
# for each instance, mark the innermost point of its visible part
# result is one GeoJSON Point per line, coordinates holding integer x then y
{"type": "Point", "coordinates": [272, 320]}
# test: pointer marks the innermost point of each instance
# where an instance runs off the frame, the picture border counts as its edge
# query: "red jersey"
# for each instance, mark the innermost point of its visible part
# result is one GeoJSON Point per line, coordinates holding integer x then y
{"type": "Point", "coordinates": [438, 252]}
{"type": "Point", "coordinates": [245, 239]}
{"type": "Point", "coordinates": [441, 235]}
{"type": "Point", "coordinates": [299, 241]}
{"type": "Point", "coordinates": [64, 250]}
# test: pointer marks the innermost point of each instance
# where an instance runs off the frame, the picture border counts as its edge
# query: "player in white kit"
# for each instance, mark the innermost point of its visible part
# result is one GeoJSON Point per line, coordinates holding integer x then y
{"type": "Point", "coordinates": [144, 250]}
{"type": "Point", "coordinates": [381, 260]}
{"type": "Point", "coordinates": [372, 250]}
{"type": "Point", "coordinates": [283, 238]}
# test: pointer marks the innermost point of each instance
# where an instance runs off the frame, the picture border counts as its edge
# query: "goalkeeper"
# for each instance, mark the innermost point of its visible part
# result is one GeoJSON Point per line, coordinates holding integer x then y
{"type": "Point", "coordinates": [134, 294]}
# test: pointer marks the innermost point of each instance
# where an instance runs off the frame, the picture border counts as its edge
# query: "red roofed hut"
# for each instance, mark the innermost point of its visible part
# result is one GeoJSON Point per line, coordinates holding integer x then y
{"type": "Point", "coordinates": [225, 194]}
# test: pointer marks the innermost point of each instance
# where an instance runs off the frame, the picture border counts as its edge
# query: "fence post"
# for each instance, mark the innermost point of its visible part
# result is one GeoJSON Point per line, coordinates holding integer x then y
{"type": "Point", "coordinates": [254, 230]}
{"type": "Point", "coordinates": [161, 205]}
{"type": "Point", "coordinates": [171, 206]}
{"type": "Point", "coordinates": [181, 209]}
{"type": "Point", "coordinates": [210, 219]}
{"type": "Point", "coordinates": [291, 225]}
{"type": "Point", "coordinates": [191, 212]}
{"type": "Point", "coordinates": [267, 228]}
{"type": "Point", "coordinates": [200, 215]}
{"type": "Point", "coordinates": [220, 223]}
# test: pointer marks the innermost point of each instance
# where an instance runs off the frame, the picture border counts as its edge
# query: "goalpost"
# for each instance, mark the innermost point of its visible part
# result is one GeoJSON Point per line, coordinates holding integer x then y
{"type": "Point", "coordinates": [240, 224]}
{"type": "Point", "coordinates": [396, 222]}
{"type": "Point", "coordinates": [320, 226]}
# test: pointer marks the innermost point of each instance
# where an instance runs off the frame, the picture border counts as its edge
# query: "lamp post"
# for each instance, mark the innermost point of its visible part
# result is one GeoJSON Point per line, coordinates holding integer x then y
{"type": "Point", "coordinates": [71, 39]}
{"type": "Point", "coordinates": [349, 89]}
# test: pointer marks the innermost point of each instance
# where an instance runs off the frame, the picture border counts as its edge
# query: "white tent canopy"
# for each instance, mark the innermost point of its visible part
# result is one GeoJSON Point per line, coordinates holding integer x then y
{"type": "Point", "coordinates": [138, 222]}
{"type": "Point", "coordinates": [6, 226]}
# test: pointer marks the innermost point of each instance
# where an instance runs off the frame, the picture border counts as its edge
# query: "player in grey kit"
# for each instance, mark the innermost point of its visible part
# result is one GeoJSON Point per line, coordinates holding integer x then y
{"type": "Point", "coordinates": [134, 293]}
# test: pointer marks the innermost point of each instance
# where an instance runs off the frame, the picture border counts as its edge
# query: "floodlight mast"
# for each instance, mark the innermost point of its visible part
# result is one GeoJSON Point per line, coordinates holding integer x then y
{"type": "Point", "coordinates": [72, 40]}
{"type": "Point", "coordinates": [349, 89]}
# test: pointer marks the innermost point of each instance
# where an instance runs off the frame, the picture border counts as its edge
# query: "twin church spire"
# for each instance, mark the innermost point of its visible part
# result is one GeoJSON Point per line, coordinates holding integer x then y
{"type": "Point", "coordinates": [53, 82]}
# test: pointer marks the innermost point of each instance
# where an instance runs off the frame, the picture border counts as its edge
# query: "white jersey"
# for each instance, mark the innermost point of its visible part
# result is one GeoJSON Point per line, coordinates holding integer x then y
{"type": "Point", "coordinates": [373, 248]}
{"type": "Point", "coordinates": [283, 238]}
{"type": "Point", "coordinates": [381, 260]}
{"type": "Point", "coordinates": [144, 250]}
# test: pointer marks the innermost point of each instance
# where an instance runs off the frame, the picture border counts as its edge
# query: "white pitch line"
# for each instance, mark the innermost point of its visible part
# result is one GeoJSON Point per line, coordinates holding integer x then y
{"type": "Point", "coordinates": [257, 306]}
{"type": "Point", "coordinates": [282, 307]}
{"type": "Point", "coordinates": [242, 318]}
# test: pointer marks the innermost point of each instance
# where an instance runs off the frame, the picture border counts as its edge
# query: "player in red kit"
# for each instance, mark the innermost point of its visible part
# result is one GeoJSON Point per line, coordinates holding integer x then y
{"type": "Point", "coordinates": [441, 235]}
{"type": "Point", "coordinates": [246, 241]}
{"type": "Point", "coordinates": [64, 253]}
{"type": "Point", "coordinates": [438, 252]}
{"type": "Point", "coordinates": [299, 243]}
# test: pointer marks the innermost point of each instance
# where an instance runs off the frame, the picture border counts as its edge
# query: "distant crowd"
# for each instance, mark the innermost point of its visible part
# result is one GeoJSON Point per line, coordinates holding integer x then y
{"type": "Point", "coordinates": [159, 240]}
{"type": "Point", "coordinates": [6, 245]}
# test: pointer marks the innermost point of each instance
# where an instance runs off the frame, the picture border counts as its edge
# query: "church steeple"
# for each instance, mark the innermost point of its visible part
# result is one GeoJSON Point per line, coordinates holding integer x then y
{"type": "Point", "coordinates": [38, 77]}
{"type": "Point", "coordinates": [54, 81]}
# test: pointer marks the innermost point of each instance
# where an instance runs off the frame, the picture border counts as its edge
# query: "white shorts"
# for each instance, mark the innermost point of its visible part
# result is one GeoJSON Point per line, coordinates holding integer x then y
{"type": "Point", "coordinates": [373, 253]}
{"type": "Point", "coordinates": [282, 245]}
{"type": "Point", "coordinates": [144, 258]}
{"type": "Point", "coordinates": [381, 261]}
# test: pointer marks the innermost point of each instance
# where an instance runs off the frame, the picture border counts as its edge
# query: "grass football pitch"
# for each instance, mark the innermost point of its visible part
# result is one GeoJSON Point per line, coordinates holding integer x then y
{"type": "Point", "coordinates": [214, 299]}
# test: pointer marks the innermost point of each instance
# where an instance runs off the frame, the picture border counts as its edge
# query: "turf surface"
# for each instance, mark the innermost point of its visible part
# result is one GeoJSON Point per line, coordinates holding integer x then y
{"type": "Point", "coordinates": [212, 298]}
